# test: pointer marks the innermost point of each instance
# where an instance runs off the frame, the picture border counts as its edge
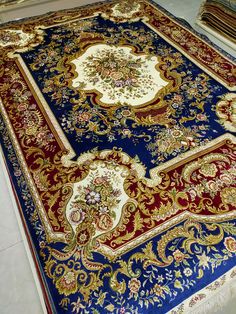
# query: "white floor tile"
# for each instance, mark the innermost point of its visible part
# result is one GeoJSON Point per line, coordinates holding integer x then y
{"type": "Point", "coordinates": [18, 294]}
{"type": "Point", "coordinates": [9, 231]}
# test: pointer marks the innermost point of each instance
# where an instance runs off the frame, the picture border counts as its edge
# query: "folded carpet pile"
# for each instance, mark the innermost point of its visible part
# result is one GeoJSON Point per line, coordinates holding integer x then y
{"type": "Point", "coordinates": [220, 15]}
{"type": "Point", "coordinates": [4, 3]}
{"type": "Point", "coordinates": [117, 125]}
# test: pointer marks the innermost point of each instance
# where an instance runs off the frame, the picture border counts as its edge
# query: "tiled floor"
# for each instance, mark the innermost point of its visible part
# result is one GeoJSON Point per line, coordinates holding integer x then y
{"type": "Point", "coordinates": [18, 293]}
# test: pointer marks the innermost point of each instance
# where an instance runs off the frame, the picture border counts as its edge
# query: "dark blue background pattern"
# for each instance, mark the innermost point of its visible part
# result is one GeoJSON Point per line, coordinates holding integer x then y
{"type": "Point", "coordinates": [63, 40]}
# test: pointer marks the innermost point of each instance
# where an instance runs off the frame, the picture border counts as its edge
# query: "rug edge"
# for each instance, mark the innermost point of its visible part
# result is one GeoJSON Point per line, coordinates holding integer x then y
{"type": "Point", "coordinates": [19, 219]}
{"type": "Point", "coordinates": [23, 232]}
{"type": "Point", "coordinates": [209, 304]}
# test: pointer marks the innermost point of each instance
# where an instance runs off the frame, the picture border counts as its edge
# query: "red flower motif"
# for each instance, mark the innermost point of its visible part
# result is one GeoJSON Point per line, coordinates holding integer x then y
{"type": "Point", "coordinates": [230, 244]}
{"type": "Point", "coordinates": [178, 256]}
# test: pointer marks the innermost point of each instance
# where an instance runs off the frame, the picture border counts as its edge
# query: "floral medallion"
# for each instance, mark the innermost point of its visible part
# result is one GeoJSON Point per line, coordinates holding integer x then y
{"type": "Point", "coordinates": [118, 75]}
{"type": "Point", "coordinates": [124, 11]}
{"type": "Point", "coordinates": [20, 39]}
{"type": "Point", "coordinates": [97, 202]}
{"type": "Point", "coordinates": [226, 111]}
{"type": "Point", "coordinates": [14, 37]}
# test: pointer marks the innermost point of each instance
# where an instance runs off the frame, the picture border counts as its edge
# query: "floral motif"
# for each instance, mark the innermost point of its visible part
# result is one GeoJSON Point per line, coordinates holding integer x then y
{"type": "Point", "coordinates": [93, 197]}
{"type": "Point", "coordinates": [77, 216]}
{"type": "Point", "coordinates": [208, 170]}
{"type": "Point", "coordinates": [134, 285]}
{"type": "Point", "coordinates": [226, 111]}
{"type": "Point", "coordinates": [126, 8]}
{"type": "Point", "coordinates": [215, 180]}
{"type": "Point", "coordinates": [196, 299]}
{"type": "Point", "coordinates": [123, 11]}
{"type": "Point", "coordinates": [84, 234]}
{"type": "Point", "coordinates": [101, 199]}
{"type": "Point", "coordinates": [77, 306]}
{"type": "Point", "coordinates": [7, 36]}
{"type": "Point", "coordinates": [203, 260]}
{"type": "Point", "coordinates": [228, 196]}
{"type": "Point", "coordinates": [96, 204]}
{"type": "Point", "coordinates": [19, 38]}
{"type": "Point", "coordinates": [187, 272]}
{"type": "Point", "coordinates": [230, 244]}
{"type": "Point", "coordinates": [158, 290]}
{"type": "Point", "coordinates": [178, 256]}
{"type": "Point", "coordinates": [175, 140]}
{"type": "Point", "coordinates": [67, 283]}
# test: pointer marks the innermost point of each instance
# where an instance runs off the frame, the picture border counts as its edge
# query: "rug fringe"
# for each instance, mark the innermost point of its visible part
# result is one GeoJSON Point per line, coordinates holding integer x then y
{"type": "Point", "coordinates": [218, 301]}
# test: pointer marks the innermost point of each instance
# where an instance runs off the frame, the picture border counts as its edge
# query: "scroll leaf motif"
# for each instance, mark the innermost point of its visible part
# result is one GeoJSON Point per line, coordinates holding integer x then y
{"type": "Point", "coordinates": [191, 232]}
{"type": "Point", "coordinates": [138, 224]}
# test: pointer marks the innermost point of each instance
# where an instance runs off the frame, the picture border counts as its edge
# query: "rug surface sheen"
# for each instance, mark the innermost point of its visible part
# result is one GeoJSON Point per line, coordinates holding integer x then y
{"type": "Point", "coordinates": [4, 3]}
{"type": "Point", "coordinates": [117, 125]}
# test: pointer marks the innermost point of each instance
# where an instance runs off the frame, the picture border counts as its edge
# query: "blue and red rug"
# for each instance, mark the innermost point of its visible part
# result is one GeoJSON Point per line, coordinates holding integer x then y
{"type": "Point", "coordinates": [117, 125]}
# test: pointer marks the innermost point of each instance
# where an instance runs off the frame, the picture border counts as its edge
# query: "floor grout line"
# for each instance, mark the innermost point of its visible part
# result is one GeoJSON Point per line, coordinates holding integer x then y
{"type": "Point", "coordinates": [9, 247]}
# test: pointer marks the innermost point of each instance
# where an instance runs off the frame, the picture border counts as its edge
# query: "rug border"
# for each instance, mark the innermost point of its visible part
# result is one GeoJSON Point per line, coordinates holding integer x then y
{"type": "Point", "coordinates": [212, 300]}
{"type": "Point", "coordinates": [23, 232]}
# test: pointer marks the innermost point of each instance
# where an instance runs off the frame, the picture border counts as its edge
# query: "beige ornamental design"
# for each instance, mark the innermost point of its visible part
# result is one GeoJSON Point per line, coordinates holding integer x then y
{"type": "Point", "coordinates": [118, 75]}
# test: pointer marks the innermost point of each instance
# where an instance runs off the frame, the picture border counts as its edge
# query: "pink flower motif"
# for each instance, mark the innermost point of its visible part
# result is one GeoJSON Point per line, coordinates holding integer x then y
{"type": "Point", "coordinates": [93, 197]}
{"type": "Point", "coordinates": [178, 98]}
{"type": "Point", "coordinates": [77, 216]}
{"type": "Point", "coordinates": [100, 181]}
{"type": "Point", "coordinates": [119, 83]}
{"type": "Point", "coordinates": [201, 117]}
{"type": "Point", "coordinates": [22, 107]}
{"type": "Point", "coordinates": [17, 173]}
{"type": "Point", "coordinates": [122, 310]}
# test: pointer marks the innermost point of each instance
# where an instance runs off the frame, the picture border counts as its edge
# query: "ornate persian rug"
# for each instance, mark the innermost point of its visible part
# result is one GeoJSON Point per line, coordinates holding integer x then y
{"type": "Point", "coordinates": [117, 125]}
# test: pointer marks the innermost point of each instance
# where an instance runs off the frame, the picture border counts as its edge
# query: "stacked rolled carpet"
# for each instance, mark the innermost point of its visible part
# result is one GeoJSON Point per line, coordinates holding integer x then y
{"type": "Point", "coordinates": [220, 17]}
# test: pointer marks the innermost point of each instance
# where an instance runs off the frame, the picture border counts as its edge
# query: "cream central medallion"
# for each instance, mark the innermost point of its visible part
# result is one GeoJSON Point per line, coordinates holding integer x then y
{"type": "Point", "coordinates": [118, 75]}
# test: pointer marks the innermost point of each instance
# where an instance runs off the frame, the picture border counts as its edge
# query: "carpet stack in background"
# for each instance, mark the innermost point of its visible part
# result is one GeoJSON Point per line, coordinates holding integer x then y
{"type": "Point", "coordinates": [220, 16]}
